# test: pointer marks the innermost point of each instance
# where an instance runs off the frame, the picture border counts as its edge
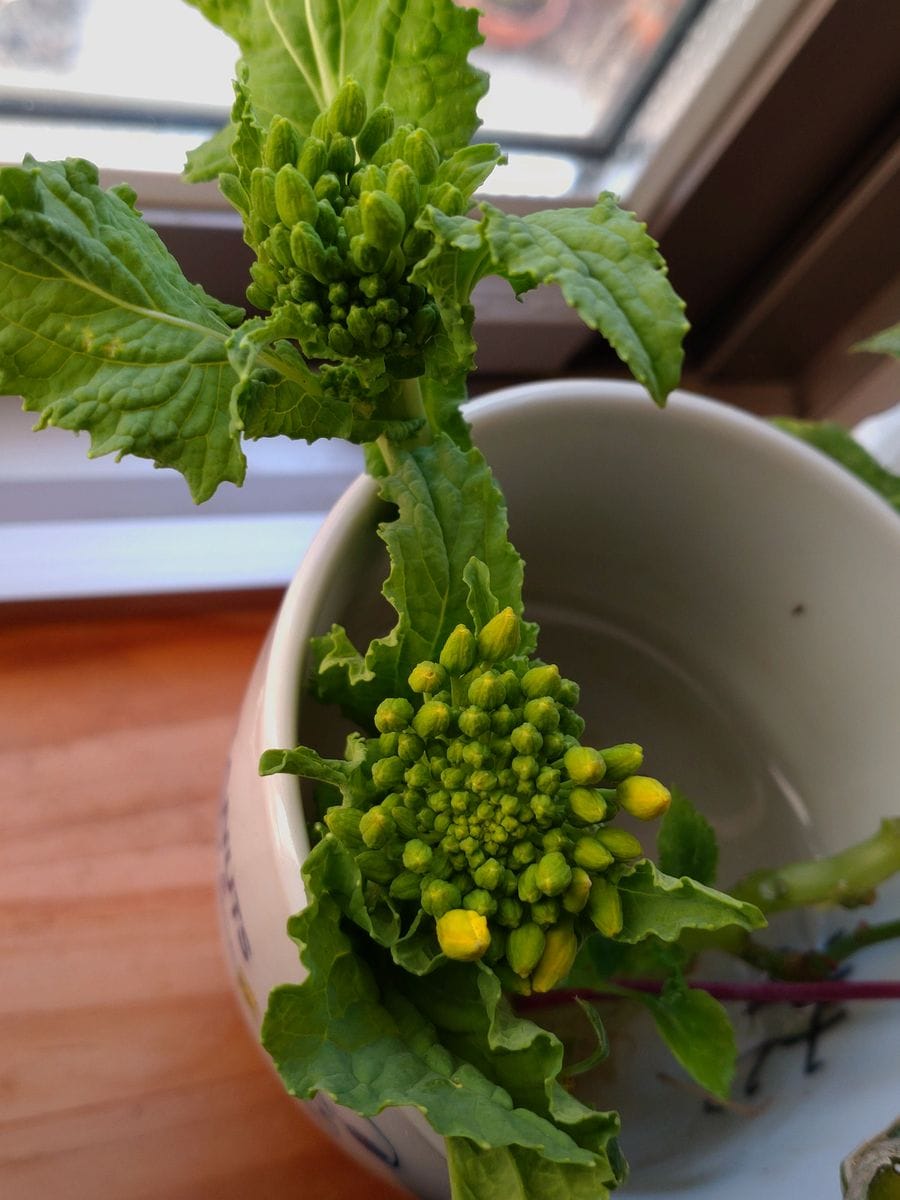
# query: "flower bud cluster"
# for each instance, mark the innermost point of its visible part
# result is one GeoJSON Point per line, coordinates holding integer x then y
{"type": "Point", "coordinates": [488, 813]}
{"type": "Point", "coordinates": [332, 217]}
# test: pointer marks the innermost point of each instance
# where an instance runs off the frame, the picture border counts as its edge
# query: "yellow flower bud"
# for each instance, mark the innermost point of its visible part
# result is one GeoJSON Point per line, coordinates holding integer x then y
{"type": "Point", "coordinates": [643, 797]}
{"type": "Point", "coordinates": [463, 934]}
{"type": "Point", "coordinates": [560, 949]}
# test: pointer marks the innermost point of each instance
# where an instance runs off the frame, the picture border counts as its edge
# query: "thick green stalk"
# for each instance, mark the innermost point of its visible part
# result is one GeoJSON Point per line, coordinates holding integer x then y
{"type": "Point", "coordinates": [409, 408]}
{"type": "Point", "coordinates": [847, 879]}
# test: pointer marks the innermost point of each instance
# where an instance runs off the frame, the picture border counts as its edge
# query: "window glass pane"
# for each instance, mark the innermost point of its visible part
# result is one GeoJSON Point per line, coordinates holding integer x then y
{"type": "Point", "coordinates": [77, 76]}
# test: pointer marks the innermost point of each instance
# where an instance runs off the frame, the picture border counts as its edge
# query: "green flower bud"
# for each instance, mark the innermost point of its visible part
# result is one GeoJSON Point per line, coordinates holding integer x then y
{"type": "Point", "coordinates": [458, 653]}
{"type": "Point", "coordinates": [553, 874]}
{"type": "Point", "coordinates": [433, 718]}
{"type": "Point", "coordinates": [587, 805]}
{"type": "Point", "coordinates": [344, 824]}
{"type": "Point", "coordinates": [463, 934]}
{"type": "Point", "coordinates": [548, 781]}
{"type": "Point", "coordinates": [622, 760]}
{"type": "Point", "coordinates": [282, 145]}
{"type": "Point", "coordinates": [378, 128]}
{"type": "Point", "coordinates": [499, 638]}
{"type": "Point", "coordinates": [234, 192]}
{"type": "Point", "coordinates": [620, 843]}
{"type": "Point", "coordinates": [405, 821]}
{"type": "Point", "coordinates": [509, 912]}
{"type": "Point", "coordinates": [643, 797]}
{"type": "Point", "coordinates": [327, 224]}
{"type": "Point", "coordinates": [341, 155]}
{"type": "Point", "coordinates": [403, 187]}
{"type": "Point", "coordinates": [425, 320]}
{"type": "Point", "coordinates": [569, 693]}
{"type": "Point", "coordinates": [347, 114]}
{"type": "Point", "coordinates": [576, 894]}
{"type": "Point", "coordinates": [528, 889]}
{"type": "Point", "coordinates": [367, 179]}
{"type": "Point", "coordinates": [560, 949]}
{"type": "Point", "coordinates": [376, 827]}
{"type": "Point", "coordinates": [393, 715]}
{"type": "Point", "coordinates": [524, 947]}
{"type": "Point", "coordinates": [439, 896]}
{"type": "Point", "coordinates": [416, 243]}
{"type": "Point", "coordinates": [313, 158]}
{"type": "Point", "coordinates": [482, 782]}
{"type": "Point", "coordinates": [259, 296]}
{"type": "Point", "coordinates": [545, 912]}
{"type": "Point", "coordinates": [365, 256]}
{"type": "Point", "coordinates": [481, 901]}
{"type": "Point", "coordinates": [526, 766]}
{"type": "Point", "coordinates": [418, 775]}
{"type": "Point", "coordinates": [377, 866]}
{"type": "Point", "coordinates": [523, 853]}
{"type": "Point", "coordinates": [591, 855]}
{"type": "Point", "coordinates": [387, 773]}
{"type": "Point", "coordinates": [584, 765]}
{"type": "Point", "coordinates": [449, 199]}
{"type": "Point", "coordinates": [279, 245]}
{"type": "Point", "coordinates": [503, 719]}
{"type": "Point", "coordinates": [554, 745]}
{"type": "Point", "coordinates": [417, 856]}
{"type": "Point", "coordinates": [262, 195]}
{"type": "Point", "coordinates": [406, 886]}
{"type": "Point", "coordinates": [340, 340]}
{"type": "Point", "coordinates": [382, 219]}
{"type": "Point", "coordinates": [306, 247]}
{"type": "Point", "coordinates": [388, 743]}
{"type": "Point", "coordinates": [570, 723]}
{"type": "Point", "coordinates": [489, 875]}
{"type": "Point", "coordinates": [474, 721]}
{"type": "Point", "coordinates": [604, 907]}
{"type": "Point", "coordinates": [555, 839]}
{"type": "Point", "coordinates": [540, 681]}
{"type": "Point", "coordinates": [410, 746]}
{"type": "Point", "coordinates": [542, 713]}
{"type": "Point", "coordinates": [427, 677]}
{"type": "Point", "coordinates": [422, 154]}
{"type": "Point", "coordinates": [486, 691]}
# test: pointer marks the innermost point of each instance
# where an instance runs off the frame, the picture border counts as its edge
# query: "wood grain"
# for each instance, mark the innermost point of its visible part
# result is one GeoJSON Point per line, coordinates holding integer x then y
{"type": "Point", "coordinates": [126, 1071]}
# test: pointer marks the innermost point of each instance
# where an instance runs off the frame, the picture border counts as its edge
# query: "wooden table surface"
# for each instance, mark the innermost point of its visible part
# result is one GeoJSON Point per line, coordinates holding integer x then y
{"type": "Point", "coordinates": [126, 1072]}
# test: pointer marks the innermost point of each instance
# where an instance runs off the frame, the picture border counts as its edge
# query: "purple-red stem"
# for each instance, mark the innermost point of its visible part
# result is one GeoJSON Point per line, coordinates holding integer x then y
{"type": "Point", "coordinates": [768, 992]}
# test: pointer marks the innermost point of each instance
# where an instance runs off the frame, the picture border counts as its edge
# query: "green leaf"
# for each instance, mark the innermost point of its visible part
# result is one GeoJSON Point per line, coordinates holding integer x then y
{"type": "Point", "coordinates": [412, 56]}
{"type": "Point", "coordinates": [656, 904]}
{"type": "Point", "coordinates": [100, 331]}
{"type": "Point", "coordinates": [449, 271]}
{"type": "Point", "coordinates": [265, 403]}
{"type": "Point", "coordinates": [210, 159]}
{"type": "Point", "coordinates": [885, 342]}
{"type": "Point", "coordinates": [697, 1030]}
{"type": "Point", "coordinates": [609, 271]}
{"type": "Point", "coordinates": [469, 167]}
{"type": "Point", "coordinates": [371, 1035]}
{"type": "Point", "coordinates": [513, 1173]}
{"type": "Point", "coordinates": [449, 511]}
{"type": "Point", "coordinates": [482, 603]}
{"type": "Point", "coordinates": [835, 441]}
{"type": "Point", "coordinates": [686, 843]}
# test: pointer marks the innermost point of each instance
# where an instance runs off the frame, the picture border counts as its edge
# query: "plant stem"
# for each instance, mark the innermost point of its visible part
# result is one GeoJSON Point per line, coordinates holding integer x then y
{"type": "Point", "coordinates": [409, 408]}
{"type": "Point", "coordinates": [848, 878]}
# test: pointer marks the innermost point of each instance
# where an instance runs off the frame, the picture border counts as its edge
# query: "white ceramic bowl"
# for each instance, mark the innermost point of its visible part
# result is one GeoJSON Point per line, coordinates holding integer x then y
{"type": "Point", "coordinates": [729, 598]}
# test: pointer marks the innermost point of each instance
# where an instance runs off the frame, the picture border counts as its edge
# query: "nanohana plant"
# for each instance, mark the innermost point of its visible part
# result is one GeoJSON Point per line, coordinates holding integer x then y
{"type": "Point", "coordinates": [467, 858]}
